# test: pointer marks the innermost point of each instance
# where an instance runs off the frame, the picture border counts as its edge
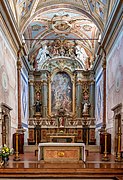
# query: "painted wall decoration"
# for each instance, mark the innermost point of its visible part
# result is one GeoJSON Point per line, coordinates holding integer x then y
{"type": "Point", "coordinates": [99, 99]}
{"type": "Point", "coordinates": [8, 77]}
{"type": "Point", "coordinates": [115, 76]}
{"type": "Point", "coordinates": [24, 102]}
{"type": "Point", "coordinates": [61, 92]}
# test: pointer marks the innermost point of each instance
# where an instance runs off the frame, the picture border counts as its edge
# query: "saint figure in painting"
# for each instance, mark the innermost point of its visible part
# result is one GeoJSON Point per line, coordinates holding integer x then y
{"type": "Point", "coordinates": [37, 103]}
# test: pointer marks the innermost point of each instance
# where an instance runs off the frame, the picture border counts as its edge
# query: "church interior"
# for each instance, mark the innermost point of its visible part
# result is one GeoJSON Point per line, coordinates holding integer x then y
{"type": "Point", "coordinates": [61, 89]}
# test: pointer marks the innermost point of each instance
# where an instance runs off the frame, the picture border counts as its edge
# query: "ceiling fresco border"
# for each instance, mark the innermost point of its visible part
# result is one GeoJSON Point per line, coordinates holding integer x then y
{"type": "Point", "coordinates": [27, 19]}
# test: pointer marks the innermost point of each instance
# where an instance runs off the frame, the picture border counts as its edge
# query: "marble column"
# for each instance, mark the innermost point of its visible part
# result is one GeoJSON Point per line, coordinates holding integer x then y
{"type": "Point", "coordinates": [31, 98]}
{"type": "Point", "coordinates": [78, 95]}
{"type": "Point", "coordinates": [44, 90]}
{"type": "Point", "coordinates": [92, 97]}
{"type": "Point", "coordinates": [104, 91]}
{"type": "Point", "coordinates": [1, 119]}
{"type": "Point", "coordinates": [19, 66]}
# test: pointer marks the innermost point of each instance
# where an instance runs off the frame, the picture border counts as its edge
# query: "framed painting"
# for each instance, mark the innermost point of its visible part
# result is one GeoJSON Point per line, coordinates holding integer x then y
{"type": "Point", "coordinates": [61, 96]}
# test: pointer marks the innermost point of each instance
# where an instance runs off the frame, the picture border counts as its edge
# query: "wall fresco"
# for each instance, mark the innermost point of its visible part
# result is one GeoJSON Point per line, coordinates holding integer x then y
{"type": "Point", "coordinates": [99, 99]}
{"type": "Point", "coordinates": [8, 77]}
{"type": "Point", "coordinates": [24, 97]}
{"type": "Point", "coordinates": [115, 76]}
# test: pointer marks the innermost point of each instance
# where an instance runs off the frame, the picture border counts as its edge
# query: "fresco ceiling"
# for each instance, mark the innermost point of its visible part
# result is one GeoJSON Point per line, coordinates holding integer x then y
{"type": "Point", "coordinates": [65, 28]}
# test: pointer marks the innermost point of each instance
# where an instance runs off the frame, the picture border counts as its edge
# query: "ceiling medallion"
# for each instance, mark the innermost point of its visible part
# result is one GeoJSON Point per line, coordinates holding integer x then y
{"type": "Point", "coordinates": [61, 23]}
{"type": "Point", "coordinates": [87, 27]}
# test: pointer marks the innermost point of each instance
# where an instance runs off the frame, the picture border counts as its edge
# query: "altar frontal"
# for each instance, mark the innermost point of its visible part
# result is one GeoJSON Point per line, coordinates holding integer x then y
{"type": "Point", "coordinates": [61, 152]}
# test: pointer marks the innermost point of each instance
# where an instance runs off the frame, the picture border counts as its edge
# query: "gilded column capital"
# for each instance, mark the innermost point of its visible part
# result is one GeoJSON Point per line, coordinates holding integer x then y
{"type": "Point", "coordinates": [19, 64]}
{"type": "Point", "coordinates": [31, 82]}
{"type": "Point", "coordinates": [104, 63]}
{"type": "Point", "coordinates": [79, 82]}
{"type": "Point", "coordinates": [92, 81]}
{"type": "Point", "coordinates": [49, 79]}
{"type": "Point", "coordinates": [44, 82]}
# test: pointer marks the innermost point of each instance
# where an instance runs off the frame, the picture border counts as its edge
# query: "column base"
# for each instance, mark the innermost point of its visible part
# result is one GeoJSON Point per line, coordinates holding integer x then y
{"type": "Point", "coordinates": [16, 158]}
{"type": "Point", "coordinates": [105, 158]}
{"type": "Point", "coordinates": [118, 159]}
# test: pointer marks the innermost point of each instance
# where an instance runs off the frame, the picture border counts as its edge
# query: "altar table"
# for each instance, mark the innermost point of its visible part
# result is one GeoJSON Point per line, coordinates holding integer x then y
{"type": "Point", "coordinates": [61, 152]}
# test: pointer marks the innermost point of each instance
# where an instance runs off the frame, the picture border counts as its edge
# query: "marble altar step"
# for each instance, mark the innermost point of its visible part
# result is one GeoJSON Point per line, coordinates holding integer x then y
{"type": "Point", "coordinates": [59, 179]}
{"type": "Point", "coordinates": [30, 148]}
{"type": "Point", "coordinates": [92, 148]}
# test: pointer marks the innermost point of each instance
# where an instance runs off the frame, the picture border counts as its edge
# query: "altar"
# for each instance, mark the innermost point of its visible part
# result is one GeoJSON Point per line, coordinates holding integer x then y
{"type": "Point", "coordinates": [61, 152]}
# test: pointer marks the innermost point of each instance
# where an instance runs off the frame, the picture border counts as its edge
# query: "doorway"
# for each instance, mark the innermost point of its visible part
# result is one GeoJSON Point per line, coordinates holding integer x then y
{"type": "Point", "coordinates": [5, 124]}
{"type": "Point", "coordinates": [117, 125]}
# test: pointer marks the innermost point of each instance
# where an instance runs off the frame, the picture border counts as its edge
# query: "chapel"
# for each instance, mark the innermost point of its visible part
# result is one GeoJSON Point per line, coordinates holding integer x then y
{"type": "Point", "coordinates": [61, 89]}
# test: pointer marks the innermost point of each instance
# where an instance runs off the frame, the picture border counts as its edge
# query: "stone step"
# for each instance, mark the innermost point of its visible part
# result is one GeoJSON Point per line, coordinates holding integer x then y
{"type": "Point", "coordinates": [30, 148]}
{"type": "Point", "coordinates": [92, 148]}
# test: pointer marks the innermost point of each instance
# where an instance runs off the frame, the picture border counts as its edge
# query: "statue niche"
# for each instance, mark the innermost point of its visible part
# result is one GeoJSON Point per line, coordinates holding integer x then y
{"type": "Point", "coordinates": [85, 104]}
{"type": "Point", "coordinates": [38, 104]}
{"type": "Point", "coordinates": [61, 117]}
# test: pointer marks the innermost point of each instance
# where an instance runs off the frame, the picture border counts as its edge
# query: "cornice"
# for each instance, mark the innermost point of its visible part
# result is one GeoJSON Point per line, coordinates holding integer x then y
{"type": "Point", "coordinates": [9, 26]}
{"type": "Point", "coordinates": [111, 29]}
{"type": "Point", "coordinates": [10, 23]}
{"type": "Point", "coordinates": [112, 23]}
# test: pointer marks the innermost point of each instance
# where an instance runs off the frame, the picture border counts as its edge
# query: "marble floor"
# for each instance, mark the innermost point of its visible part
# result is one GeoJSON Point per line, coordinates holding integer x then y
{"type": "Point", "coordinates": [93, 160]}
{"type": "Point", "coordinates": [35, 169]}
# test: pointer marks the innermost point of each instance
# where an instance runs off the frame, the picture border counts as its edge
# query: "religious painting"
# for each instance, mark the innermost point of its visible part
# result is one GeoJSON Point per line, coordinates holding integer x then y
{"type": "Point", "coordinates": [24, 98]}
{"type": "Point", "coordinates": [91, 135]}
{"type": "Point", "coordinates": [79, 135]}
{"type": "Point", "coordinates": [99, 98]}
{"type": "Point", "coordinates": [61, 92]}
{"type": "Point", "coordinates": [44, 135]}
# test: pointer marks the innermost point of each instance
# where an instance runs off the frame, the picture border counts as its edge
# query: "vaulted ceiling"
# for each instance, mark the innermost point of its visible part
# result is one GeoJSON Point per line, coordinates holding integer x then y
{"type": "Point", "coordinates": [62, 23]}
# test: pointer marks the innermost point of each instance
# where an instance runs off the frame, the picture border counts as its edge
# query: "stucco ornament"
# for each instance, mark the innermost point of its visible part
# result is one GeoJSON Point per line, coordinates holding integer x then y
{"type": "Point", "coordinates": [4, 81]}
{"type": "Point", "coordinates": [61, 23]}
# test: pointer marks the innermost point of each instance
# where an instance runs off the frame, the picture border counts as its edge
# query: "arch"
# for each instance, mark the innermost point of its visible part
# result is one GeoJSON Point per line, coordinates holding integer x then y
{"type": "Point", "coordinates": [97, 21]}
